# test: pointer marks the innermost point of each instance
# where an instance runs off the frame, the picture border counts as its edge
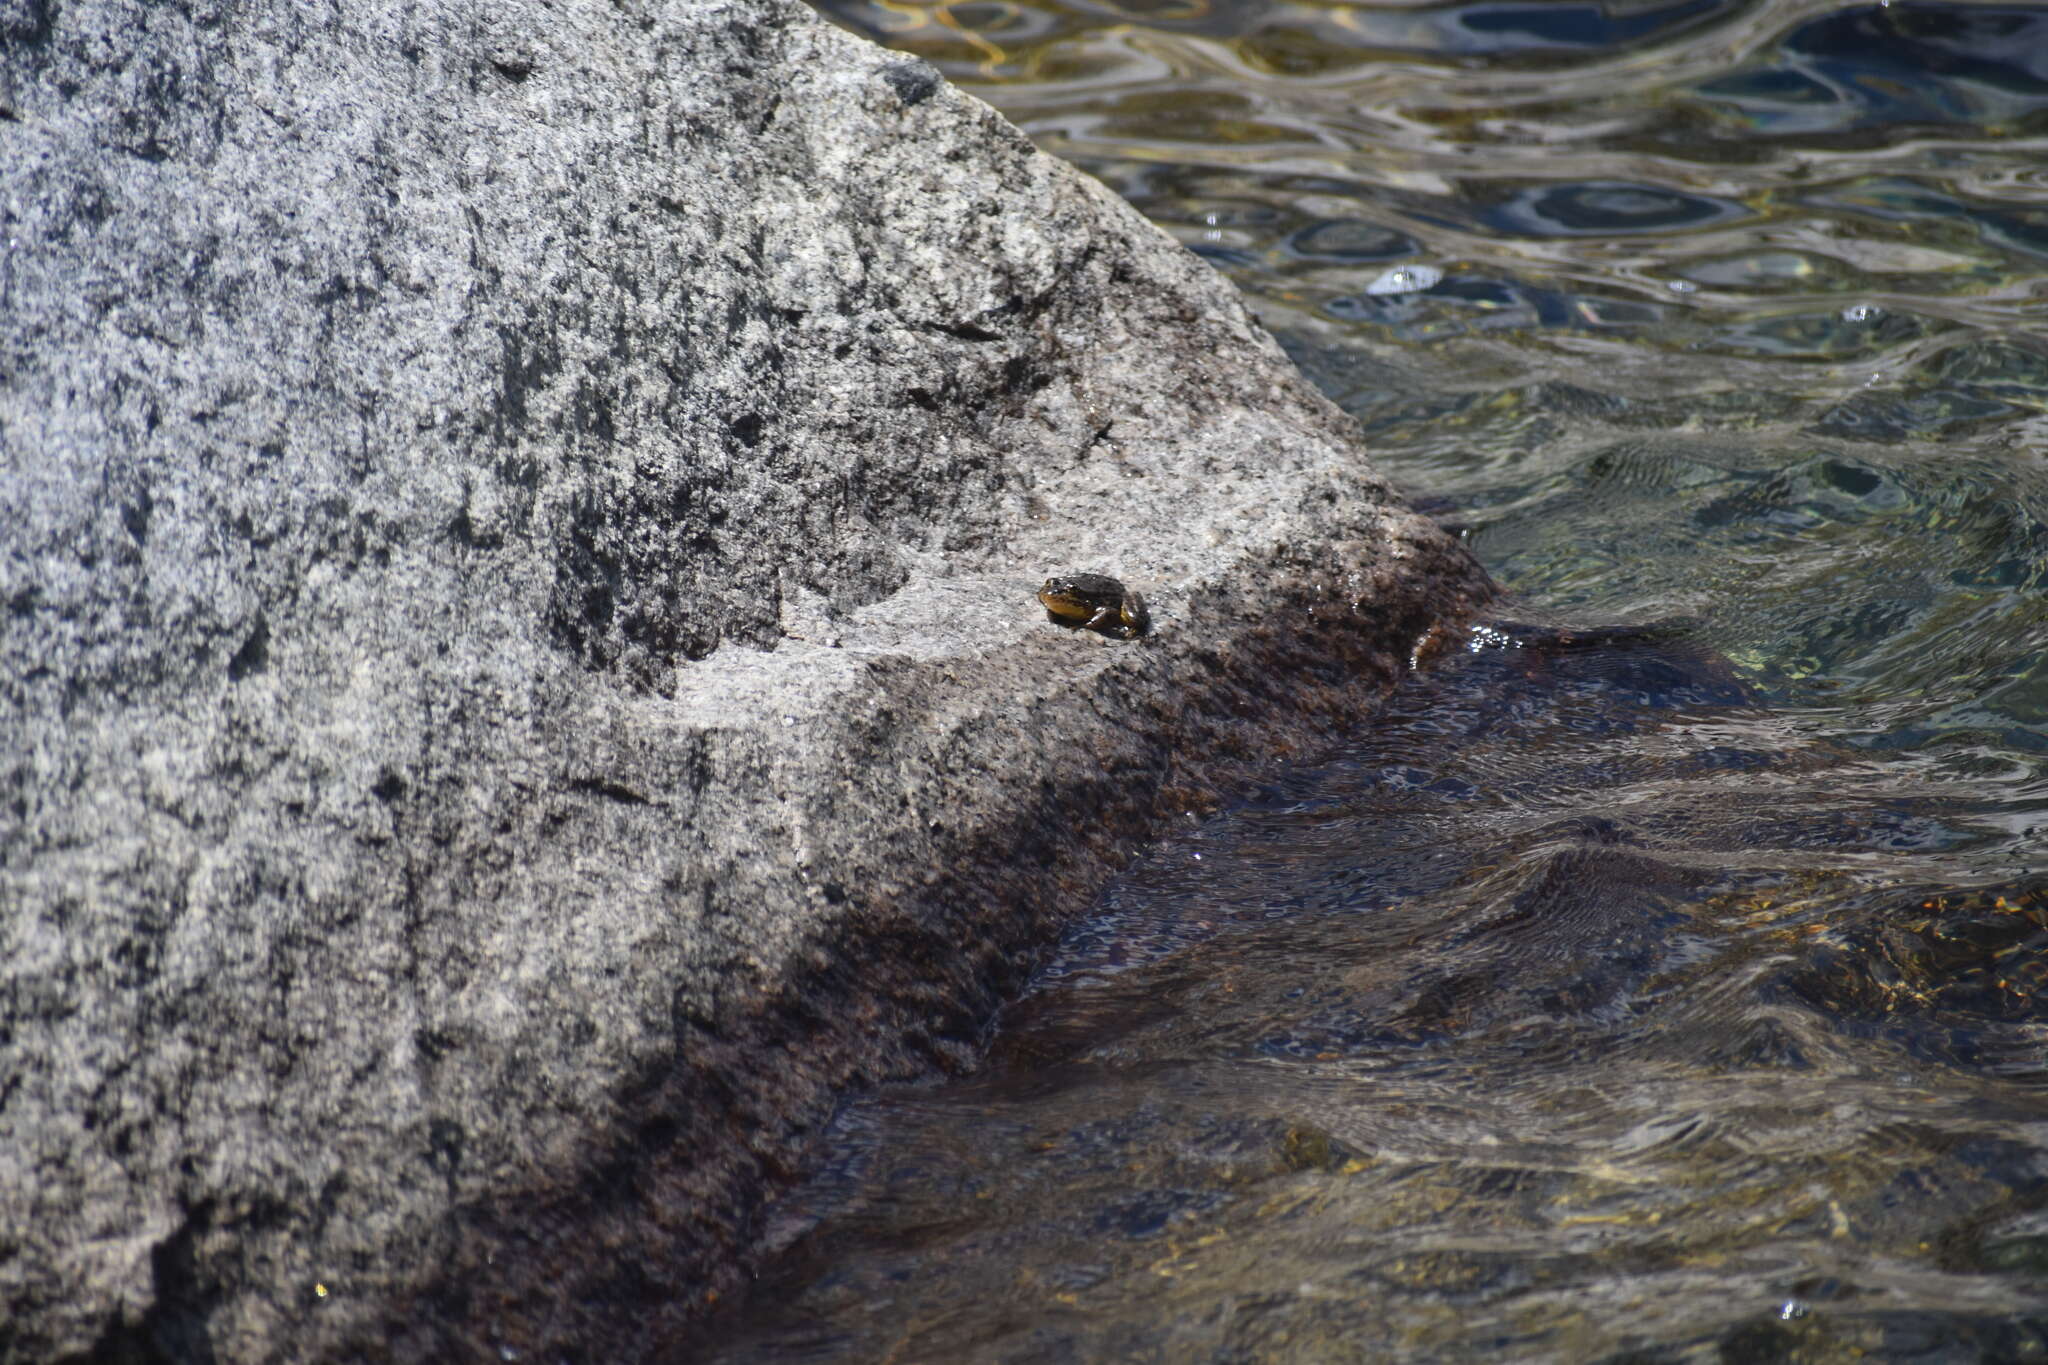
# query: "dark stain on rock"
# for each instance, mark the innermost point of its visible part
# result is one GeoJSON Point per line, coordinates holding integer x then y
{"type": "Point", "coordinates": [466, 531]}
{"type": "Point", "coordinates": [254, 655]}
{"type": "Point", "coordinates": [135, 515]}
{"type": "Point", "coordinates": [184, 1298]}
{"type": "Point", "coordinates": [445, 1139]}
{"type": "Point", "coordinates": [914, 82]}
{"type": "Point", "coordinates": [528, 364]}
{"type": "Point", "coordinates": [611, 791]}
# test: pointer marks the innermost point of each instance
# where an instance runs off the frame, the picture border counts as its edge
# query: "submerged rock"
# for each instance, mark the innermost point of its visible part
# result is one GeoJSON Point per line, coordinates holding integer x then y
{"type": "Point", "coordinates": [521, 672]}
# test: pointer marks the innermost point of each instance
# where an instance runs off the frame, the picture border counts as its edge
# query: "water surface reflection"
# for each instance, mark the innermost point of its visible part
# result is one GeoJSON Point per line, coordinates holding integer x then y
{"type": "Point", "coordinates": [1585, 1006]}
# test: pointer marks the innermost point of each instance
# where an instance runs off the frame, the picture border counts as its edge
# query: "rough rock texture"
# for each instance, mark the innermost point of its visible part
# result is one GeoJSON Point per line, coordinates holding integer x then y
{"type": "Point", "coordinates": [519, 678]}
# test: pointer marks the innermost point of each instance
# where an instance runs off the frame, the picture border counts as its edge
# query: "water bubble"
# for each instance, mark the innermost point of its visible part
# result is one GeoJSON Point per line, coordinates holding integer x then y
{"type": "Point", "coordinates": [1682, 287]}
{"type": "Point", "coordinates": [1406, 279]}
{"type": "Point", "coordinates": [1862, 312]}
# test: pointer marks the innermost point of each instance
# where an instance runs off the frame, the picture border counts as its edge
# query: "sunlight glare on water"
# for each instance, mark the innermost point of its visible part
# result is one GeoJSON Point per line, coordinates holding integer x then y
{"type": "Point", "coordinates": [1668, 991]}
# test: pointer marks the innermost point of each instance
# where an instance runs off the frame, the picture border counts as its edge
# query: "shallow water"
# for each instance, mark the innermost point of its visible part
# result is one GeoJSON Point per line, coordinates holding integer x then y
{"type": "Point", "coordinates": [1660, 994]}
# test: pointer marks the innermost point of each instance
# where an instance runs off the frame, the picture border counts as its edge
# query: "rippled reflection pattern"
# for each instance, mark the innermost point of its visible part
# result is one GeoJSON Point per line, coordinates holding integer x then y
{"type": "Point", "coordinates": [1669, 991]}
{"type": "Point", "coordinates": [1585, 1006]}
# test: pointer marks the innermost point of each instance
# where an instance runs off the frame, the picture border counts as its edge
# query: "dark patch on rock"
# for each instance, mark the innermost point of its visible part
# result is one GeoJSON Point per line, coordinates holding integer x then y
{"type": "Point", "coordinates": [615, 791]}
{"type": "Point", "coordinates": [513, 65]}
{"type": "Point", "coordinates": [914, 81]}
{"type": "Point", "coordinates": [253, 655]}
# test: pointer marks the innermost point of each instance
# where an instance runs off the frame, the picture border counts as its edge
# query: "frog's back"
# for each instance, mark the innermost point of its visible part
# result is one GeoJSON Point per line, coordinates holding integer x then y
{"type": "Point", "coordinates": [1097, 588]}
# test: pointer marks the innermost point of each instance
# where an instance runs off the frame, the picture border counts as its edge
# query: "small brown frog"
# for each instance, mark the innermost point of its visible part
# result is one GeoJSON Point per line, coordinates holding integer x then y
{"type": "Point", "coordinates": [1093, 601]}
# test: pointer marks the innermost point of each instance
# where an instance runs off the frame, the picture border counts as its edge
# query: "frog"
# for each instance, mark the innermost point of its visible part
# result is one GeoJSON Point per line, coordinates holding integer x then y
{"type": "Point", "coordinates": [1093, 601]}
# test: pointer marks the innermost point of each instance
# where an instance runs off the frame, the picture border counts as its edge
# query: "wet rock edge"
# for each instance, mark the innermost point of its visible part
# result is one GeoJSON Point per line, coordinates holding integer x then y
{"type": "Point", "coordinates": [628, 1256]}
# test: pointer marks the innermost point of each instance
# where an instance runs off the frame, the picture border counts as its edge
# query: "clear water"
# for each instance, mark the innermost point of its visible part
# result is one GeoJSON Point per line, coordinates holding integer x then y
{"type": "Point", "coordinates": [1661, 994]}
